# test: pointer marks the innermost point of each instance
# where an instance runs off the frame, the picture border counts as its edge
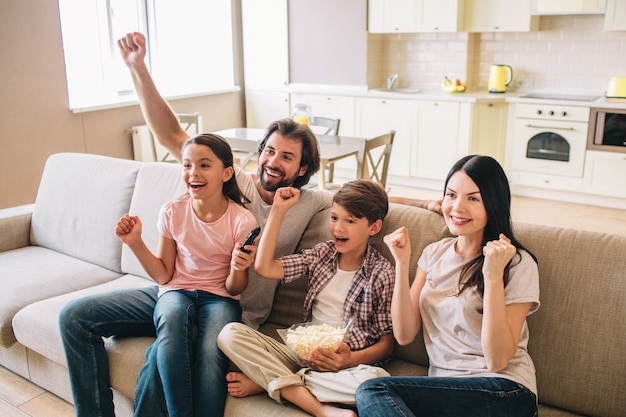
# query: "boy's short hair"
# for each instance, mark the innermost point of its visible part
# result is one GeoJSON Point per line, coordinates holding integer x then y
{"type": "Point", "coordinates": [363, 198]}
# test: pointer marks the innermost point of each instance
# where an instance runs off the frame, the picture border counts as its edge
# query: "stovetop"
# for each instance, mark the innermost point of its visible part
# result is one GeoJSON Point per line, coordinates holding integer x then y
{"type": "Point", "coordinates": [559, 96]}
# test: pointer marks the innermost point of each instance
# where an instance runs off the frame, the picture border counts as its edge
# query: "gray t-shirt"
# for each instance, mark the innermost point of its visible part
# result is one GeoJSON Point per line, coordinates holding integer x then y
{"type": "Point", "coordinates": [452, 324]}
{"type": "Point", "coordinates": [257, 299]}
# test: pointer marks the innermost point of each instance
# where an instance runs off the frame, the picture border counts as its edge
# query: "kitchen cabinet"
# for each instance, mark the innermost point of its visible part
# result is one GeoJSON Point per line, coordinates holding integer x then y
{"type": "Point", "coordinates": [266, 58]}
{"type": "Point", "coordinates": [605, 173]}
{"type": "Point", "coordinates": [333, 106]}
{"type": "Point", "coordinates": [488, 130]}
{"type": "Point", "coordinates": [411, 16]}
{"type": "Point", "coordinates": [438, 143]}
{"type": "Point", "coordinates": [615, 17]}
{"type": "Point", "coordinates": [499, 16]}
{"type": "Point", "coordinates": [375, 116]}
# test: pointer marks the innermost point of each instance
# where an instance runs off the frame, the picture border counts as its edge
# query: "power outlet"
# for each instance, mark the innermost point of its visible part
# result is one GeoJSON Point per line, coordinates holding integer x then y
{"type": "Point", "coordinates": [523, 84]}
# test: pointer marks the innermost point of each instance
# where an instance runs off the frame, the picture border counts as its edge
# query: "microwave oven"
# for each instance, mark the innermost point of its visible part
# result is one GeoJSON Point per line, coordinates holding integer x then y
{"type": "Point", "coordinates": [607, 130]}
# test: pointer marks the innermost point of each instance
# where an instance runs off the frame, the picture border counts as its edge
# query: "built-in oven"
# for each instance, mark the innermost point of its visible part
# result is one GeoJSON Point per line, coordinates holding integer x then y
{"type": "Point", "coordinates": [607, 130]}
{"type": "Point", "coordinates": [550, 139]}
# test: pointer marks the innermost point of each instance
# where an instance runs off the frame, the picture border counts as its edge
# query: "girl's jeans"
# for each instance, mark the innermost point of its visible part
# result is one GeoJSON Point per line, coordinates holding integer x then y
{"type": "Point", "coordinates": [444, 397]}
{"type": "Point", "coordinates": [191, 367]}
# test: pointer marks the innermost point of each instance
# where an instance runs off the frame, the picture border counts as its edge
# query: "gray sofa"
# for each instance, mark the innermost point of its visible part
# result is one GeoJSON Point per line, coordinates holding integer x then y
{"type": "Point", "coordinates": [63, 247]}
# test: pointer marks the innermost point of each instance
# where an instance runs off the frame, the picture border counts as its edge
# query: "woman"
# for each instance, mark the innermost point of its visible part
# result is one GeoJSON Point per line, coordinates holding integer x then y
{"type": "Point", "coordinates": [470, 296]}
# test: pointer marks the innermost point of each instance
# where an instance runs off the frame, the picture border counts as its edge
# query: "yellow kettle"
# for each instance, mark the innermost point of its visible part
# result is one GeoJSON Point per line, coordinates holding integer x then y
{"type": "Point", "coordinates": [499, 77]}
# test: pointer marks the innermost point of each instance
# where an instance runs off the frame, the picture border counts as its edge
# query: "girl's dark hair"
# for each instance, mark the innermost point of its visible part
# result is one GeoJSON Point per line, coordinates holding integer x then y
{"type": "Point", "coordinates": [310, 151]}
{"type": "Point", "coordinates": [222, 150]}
{"type": "Point", "coordinates": [493, 184]}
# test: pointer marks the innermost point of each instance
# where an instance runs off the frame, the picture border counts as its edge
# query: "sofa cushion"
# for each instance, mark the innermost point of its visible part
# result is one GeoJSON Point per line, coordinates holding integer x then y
{"type": "Point", "coordinates": [37, 325]}
{"type": "Point", "coordinates": [34, 273]}
{"type": "Point", "coordinates": [79, 201]}
{"type": "Point", "coordinates": [157, 183]}
{"type": "Point", "coordinates": [577, 337]}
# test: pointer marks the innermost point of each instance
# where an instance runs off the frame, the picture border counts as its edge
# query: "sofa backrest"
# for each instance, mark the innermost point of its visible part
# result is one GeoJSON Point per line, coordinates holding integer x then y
{"type": "Point", "coordinates": [79, 201]}
{"type": "Point", "coordinates": [577, 337]}
{"type": "Point", "coordinates": [157, 183]}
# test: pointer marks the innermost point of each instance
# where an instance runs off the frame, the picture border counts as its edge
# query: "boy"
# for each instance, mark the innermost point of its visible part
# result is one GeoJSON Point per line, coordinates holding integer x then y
{"type": "Point", "coordinates": [347, 278]}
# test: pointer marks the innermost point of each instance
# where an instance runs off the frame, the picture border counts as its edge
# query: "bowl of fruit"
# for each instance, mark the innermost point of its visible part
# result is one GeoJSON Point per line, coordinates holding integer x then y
{"type": "Point", "coordinates": [453, 85]}
{"type": "Point", "coordinates": [304, 338]}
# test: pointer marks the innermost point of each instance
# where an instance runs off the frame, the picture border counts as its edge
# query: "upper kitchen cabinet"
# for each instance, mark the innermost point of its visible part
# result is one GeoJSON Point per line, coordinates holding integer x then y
{"type": "Point", "coordinates": [411, 16]}
{"type": "Point", "coordinates": [615, 17]}
{"type": "Point", "coordinates": [392, 16]}
{"type": "Point", "coordinates": [266, 60]}
{"type": "Point", "coordinates": [499, 16]}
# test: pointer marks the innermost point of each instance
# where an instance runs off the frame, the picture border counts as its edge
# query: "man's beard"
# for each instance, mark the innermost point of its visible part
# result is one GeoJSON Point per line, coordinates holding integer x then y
{"type": "Point", "coordinates": [285, 182]}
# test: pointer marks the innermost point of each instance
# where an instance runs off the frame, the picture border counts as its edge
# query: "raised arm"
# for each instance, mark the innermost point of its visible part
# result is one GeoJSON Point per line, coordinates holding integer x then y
{"type": "Point", "coordinates": [265, 264]}
{"type": "Point", "coordinates": [156, 111]}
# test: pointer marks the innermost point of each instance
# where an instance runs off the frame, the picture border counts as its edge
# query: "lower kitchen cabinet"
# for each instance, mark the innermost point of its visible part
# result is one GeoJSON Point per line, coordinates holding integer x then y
{"type": "Point", "coordinates": [264, 107]}
{"type": "Point", "coordinates": [605, 173]}
{"type": "Point", "coordinates": [376, 116]}
{"type": "Point", "coordinates": [488, 126]}
{"type": "Point", "coordinates": [439, 142]}
{"type": "Point", "coordinates": [333, 106]}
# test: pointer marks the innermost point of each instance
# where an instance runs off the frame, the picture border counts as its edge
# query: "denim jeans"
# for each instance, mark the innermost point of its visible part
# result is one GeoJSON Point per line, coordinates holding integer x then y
{"type": "Point", "coordinates": [444, 397]}
{"type": "Point", "coordinates": [191, 367]}
{"type": "Point", "coordinates": [83, 324]}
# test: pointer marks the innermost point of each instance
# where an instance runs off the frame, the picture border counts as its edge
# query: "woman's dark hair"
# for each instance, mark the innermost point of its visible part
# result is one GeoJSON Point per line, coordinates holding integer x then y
{"type": "Point", "coordinates": [493, 184]}
{"type": "Point", "coordinates": [222, 150]}
{"type": "Point", "coordinates": [310, 151]}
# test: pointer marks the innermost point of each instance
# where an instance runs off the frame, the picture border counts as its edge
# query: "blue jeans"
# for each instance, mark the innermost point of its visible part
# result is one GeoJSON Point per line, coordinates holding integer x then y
{"type": "Point", "coordinates": [83, 324]}
{"type": "Point", "coordinates": [191, 366]}
{"type": "Point", "coordinates": [444, 397]}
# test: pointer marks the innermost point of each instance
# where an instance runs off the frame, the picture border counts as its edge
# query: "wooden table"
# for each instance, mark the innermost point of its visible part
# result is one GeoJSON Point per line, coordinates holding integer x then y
{"type": "Point", "coordinates": [332, 148]}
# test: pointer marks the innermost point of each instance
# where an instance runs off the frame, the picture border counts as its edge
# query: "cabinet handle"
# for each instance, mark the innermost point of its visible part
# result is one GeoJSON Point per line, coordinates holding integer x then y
{"type": "Point", "coordinates": [550, 127]}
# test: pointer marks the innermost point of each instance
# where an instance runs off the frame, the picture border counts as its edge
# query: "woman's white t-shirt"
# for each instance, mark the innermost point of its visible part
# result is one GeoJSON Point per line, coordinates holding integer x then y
{"type": "Point", "coordinates": [452, 324]}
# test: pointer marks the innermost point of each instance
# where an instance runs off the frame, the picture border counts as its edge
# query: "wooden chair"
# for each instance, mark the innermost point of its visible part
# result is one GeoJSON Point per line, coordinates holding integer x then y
{"type": "Point", "coordinates": [325, 126]}
{"type": "Point", "coordinates": [373, 158]}
{"type": "Point", "coordinates": [244, 151]}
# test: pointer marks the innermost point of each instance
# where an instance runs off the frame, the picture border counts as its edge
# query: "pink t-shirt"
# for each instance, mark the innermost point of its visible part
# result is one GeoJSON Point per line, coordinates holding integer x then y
{"type": "Point", "coordinates": [204, 249]}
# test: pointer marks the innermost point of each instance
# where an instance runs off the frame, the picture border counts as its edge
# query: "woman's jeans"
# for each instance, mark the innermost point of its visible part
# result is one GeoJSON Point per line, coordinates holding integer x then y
{"type": "Point", "coordinates": [83, 324]}
{"type": "Point", "coordinates": [444, 397]}
{"type": "Point", "coordinates": [191, 366]}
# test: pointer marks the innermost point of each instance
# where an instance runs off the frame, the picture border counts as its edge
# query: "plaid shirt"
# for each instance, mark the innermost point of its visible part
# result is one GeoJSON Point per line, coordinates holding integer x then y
{"type": "Point", "coordinates": [369, 297]}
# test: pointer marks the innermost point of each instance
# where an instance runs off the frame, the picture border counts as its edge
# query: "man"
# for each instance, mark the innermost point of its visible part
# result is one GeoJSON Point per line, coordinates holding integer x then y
{"type": "Point", "coordinates": [288, 156]}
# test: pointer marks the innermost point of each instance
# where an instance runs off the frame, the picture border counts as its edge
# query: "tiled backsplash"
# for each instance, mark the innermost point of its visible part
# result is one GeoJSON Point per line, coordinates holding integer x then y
{"type": "Point", "coordinates": [567, 53]}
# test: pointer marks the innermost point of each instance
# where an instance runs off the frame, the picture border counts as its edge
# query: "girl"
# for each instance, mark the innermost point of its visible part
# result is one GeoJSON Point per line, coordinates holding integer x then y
{"type": "Point", "coordinates": [201, 271]}
{"type": "Point", "coordinates": [470, 296]}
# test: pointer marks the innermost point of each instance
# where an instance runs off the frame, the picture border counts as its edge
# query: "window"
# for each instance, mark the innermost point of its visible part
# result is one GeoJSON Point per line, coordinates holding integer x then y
{"type": "Point", "coordinates": [190, 48]}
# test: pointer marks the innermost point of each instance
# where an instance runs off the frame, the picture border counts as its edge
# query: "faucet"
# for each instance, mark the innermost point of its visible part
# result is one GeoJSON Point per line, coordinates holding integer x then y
{"type": "Point", "coordinates": [391, 81]}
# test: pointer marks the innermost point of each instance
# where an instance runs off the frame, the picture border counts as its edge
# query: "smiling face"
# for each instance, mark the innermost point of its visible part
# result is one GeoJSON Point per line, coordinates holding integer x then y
{"type": "Point", "coordinates": [203, 172]}
{"type": "Point", "coordinates": [279, 163]}
{"type": "Point", "coordinates": [463, 208]}
{"type": "Point", "coordinates": [350, 233]}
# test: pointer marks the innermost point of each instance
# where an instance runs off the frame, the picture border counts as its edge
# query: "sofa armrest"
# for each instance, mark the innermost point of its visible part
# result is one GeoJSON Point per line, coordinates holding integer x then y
{"type": "Point", "coordinates": [15, 227]}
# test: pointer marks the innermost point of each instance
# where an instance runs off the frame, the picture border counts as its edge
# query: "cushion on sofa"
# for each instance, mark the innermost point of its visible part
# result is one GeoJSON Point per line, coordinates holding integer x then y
{"type": "Point", "coordinates": [79, 201]}
{"type": "Point", "coordinates": [37, 325]}
{"type": "Point", "coordinates": [157, 183]}
{"type": "Point", "coordinates": [34, 273]}
{"type": "Point", "coordinates": [577, 338]}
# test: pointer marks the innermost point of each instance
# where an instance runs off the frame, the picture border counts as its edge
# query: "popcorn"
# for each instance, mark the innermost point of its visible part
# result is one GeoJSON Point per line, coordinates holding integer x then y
{"type": "Point", "coordinates": [305, 338]}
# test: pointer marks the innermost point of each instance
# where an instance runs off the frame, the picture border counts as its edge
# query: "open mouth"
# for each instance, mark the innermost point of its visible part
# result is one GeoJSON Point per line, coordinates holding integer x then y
{"type": "Point", "coordinates": [195, 186]}
{"type": "Point", "coordinates": [459, 220]}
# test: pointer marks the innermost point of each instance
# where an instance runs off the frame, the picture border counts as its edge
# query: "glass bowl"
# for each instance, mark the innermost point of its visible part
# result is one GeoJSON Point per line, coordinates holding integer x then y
{"type": "Point", "coordinates": [303, 338]}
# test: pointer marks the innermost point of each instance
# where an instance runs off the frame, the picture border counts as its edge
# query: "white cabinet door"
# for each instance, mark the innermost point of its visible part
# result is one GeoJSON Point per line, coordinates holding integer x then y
{"type": "Point", "coordinates": [391, 16]}
{"type": "Point", "coordinates": [440, 15]}
{"type": "Point", "coordinates": [488, 130]}
{"type": "Point", "coordinates": [335, 107]}
{"type": "Point", "coordinates": [378, 116]}
{"type": "Point", "coordinates": [605, 173]}
{"type": "Point", "coordinates": [615, 17]}
{"type": "Point", "coordinates": [437, 139]}
{"type": "Point", "coordinates": [265, 106]}
{"type": "Point", "coordinates": [499, 16]}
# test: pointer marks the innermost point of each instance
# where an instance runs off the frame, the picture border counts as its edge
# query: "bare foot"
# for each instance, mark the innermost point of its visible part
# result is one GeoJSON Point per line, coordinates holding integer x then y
{"type": "Point", "coordinates": [239, 385]}
{"type": "Point", "coordinates": [330, 411]}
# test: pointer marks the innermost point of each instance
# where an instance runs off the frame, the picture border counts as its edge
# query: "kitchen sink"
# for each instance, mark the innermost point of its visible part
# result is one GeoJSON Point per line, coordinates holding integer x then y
{"type": "Point", "coordinates": [397, 90]}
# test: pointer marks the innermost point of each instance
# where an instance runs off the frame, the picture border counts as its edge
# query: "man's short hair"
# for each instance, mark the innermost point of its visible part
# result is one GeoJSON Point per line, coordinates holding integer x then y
{"type": "Point", "coordinates": [363, 198]}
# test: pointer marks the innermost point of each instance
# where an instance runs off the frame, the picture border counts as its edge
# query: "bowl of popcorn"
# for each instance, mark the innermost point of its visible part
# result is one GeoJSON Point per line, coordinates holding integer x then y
{"type": "Point", "coordinates": [304, 338]}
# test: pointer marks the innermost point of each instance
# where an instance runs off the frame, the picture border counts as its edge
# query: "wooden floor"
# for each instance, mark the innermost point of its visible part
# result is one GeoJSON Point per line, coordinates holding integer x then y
{"type": "Point", "coordinates": [20, 398]}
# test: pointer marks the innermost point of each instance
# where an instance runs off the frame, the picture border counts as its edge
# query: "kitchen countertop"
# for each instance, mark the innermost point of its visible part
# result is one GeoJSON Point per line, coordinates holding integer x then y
{"type": "Point", "coordinates": [467, 96]}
